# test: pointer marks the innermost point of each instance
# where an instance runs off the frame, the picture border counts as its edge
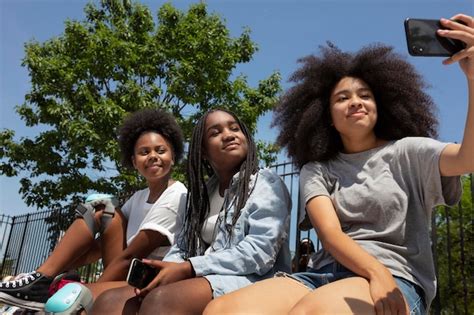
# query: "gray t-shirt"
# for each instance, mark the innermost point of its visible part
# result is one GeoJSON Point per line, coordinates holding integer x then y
{"type": "Point", "coordinates": [383, 199]}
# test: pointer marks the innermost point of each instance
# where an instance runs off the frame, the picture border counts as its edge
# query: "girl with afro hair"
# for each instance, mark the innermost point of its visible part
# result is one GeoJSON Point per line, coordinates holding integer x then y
{"type": "Point", "coordinates": [151, 142]}
{"type": "Point", "coordinates": [360, 127]}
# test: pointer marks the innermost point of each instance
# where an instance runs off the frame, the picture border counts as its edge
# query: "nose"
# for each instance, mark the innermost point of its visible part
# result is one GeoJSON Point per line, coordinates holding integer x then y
{"type": "Point", "coordinates": [356, 102]}
{"type": "Point", "coordinates": [228, 134]}
{"type": "Point", "coordinates": [153, 155]}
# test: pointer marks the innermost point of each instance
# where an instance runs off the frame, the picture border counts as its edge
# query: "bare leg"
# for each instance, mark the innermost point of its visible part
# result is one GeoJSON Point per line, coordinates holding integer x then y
{"type": "Point", "coordinates": [78, 247]}
{"type": "Point", "coordinates": [116, 301]}
{"type": "Point", "coordinates": [272, 296]}
{"type": "Point", "coordinates": [346, 296]}
{"type": "Point", "coordinates": [99, 288]}
{"type": "Point", "coordinates": [76, 242]}
{"type": "Point", "coordinates": [113, 240]}
{"type": "Point", "coordinates": [183, 297]}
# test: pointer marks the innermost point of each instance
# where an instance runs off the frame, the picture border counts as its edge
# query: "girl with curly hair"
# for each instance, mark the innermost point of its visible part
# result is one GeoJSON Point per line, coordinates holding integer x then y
{"type": "Point", "coordinates": [234, 230]}
{"type": "Point", "coordinates": [360, 127]}
{"type": "Point", "coordinates": [151, 142]}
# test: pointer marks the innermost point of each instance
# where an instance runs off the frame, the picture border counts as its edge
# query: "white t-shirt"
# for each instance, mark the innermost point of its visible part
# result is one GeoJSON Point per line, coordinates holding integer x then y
{"type": "Point", "coordinates": [216, 202]}
{"type": "Point", "coordinates": [159, 216]}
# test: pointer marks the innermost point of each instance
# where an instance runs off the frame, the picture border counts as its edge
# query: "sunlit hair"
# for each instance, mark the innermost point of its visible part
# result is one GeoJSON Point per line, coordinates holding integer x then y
{"type": "Point", "coordinates": [303, 115]}
{"type": "Point", "coordinates": [149, 120]}
{"type": "Point", "coordinates": [199, 170]}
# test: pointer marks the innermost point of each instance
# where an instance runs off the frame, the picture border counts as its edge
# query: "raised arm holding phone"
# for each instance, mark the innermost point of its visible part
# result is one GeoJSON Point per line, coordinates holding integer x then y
{"type": "Point", "coordinates": [361, 127]}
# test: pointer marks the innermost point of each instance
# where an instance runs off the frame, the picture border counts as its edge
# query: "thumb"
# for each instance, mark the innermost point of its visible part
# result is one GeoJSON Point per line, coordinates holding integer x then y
{"type": "Point", "coordinates": [153, 284]}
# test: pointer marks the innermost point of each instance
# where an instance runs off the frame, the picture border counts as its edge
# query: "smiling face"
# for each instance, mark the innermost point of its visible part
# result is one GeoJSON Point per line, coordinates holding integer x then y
{"type": "Point", "coordinates": [153, 157]}
{"type": "Point", "coordinates": [224, 143]}
{"type": "Point", "coordinates": [353, 108]}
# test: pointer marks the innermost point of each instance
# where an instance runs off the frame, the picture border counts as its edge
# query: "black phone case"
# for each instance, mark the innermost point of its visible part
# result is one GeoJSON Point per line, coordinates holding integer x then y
{"type": "Point", "coordinates": [422, 40]}
{"type": "Point", "coordinates": [140, 274]}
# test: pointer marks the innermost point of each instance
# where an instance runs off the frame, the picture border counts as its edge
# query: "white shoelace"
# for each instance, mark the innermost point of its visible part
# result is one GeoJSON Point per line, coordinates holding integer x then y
{"type": "Point", "coordinates": [19, 282]}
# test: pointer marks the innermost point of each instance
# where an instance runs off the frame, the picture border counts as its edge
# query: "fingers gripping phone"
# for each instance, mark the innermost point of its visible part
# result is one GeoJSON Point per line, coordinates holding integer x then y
{"type": "Point", "coordinates": [422, 39]}
{"type": "Point", "coordinates": [140, 274]}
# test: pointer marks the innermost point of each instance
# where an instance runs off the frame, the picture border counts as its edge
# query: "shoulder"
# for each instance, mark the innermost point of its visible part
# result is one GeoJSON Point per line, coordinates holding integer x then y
{"type": "Point", "coordinates": [416, 141]}
{"type": "Point", "coordinates": [178, 187]}
{"type": "Point", "coordinates": [267, 179]}
{"type": "Point", "coordinates": [268, 175]}
{"type": "Point", "coordinates": [173, 196]}
{"type": "Point", "coordinates": [135, 200]}
{"type": "Point", "coordinates": [312, 169]}
{"type": "Point", "coordinates": [419, 145]}
{"type": "Point", "coordinates": [139, 195]}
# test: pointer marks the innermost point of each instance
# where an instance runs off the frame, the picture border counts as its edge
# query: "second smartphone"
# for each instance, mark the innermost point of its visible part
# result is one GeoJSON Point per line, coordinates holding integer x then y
{"type": "Point", "coordinates": [140, 274]}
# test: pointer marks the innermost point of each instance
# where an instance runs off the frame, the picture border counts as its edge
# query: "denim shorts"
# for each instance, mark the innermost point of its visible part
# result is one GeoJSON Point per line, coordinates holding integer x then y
{"type": "Point", "coordinates": [314, 279]}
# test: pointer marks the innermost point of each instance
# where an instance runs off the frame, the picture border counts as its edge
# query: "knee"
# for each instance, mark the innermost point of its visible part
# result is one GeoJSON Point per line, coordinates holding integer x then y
{"type": "Point", "coordinates": [158, 301]}
{"type": "Point", "coordinates": [216, 306]}
{"type": "Point", "coordinates": [316, 308]}
{"type": "Point", "coordinates": [115, 301]}
{"type": "Point", "coordinates": [300, 310]}
{"type": "Point", "coordinates": [105, 303]}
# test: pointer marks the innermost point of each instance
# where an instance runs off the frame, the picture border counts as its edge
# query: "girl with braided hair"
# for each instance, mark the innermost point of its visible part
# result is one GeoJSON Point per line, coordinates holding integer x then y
{"type": "Point", "coordinates": [234, 230]}
{"type": "Point", "coordinates": [359, 125]}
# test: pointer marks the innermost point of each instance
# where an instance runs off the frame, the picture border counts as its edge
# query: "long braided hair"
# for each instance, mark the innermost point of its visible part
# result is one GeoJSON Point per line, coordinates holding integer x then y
{"type": "Point", "coordinates": [199, 171]}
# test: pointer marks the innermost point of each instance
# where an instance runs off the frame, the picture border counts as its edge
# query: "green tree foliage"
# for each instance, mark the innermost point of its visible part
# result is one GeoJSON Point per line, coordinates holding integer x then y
{"type": "Point", "coordinates": [455, 253]}
{"type": "Point", "coordinates": [117, 60]}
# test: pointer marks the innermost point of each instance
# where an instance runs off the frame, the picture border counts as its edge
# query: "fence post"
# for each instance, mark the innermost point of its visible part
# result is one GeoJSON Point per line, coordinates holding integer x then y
{"type": "Point", "coordinates": [8, 243]}
{"type": "Point", "coordinates": [448, 245]}
{"type": "Point", "coordinates": [463, 271]}
{"type": "Point", "coordinates": [22, 242]}
{"type": "Point", "coordinates": [436, 304]}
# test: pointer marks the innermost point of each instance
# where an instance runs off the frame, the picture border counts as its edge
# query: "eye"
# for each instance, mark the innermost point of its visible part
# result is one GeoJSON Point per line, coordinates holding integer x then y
{"type": "Point", "coordinates": [143, 152]}
{"type": "Point", "coordinates": [342, 98]}
{"type": "Point", "coordinates": [213, 133]}
{"type": "Point", "coordinates": [235, 128]}
{"type": "Point", "coordinates": [366, 96]}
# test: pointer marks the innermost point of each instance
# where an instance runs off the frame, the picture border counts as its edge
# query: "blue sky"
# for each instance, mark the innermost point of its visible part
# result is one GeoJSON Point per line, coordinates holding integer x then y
{"type": "Point", "coordinates": [284, 31]}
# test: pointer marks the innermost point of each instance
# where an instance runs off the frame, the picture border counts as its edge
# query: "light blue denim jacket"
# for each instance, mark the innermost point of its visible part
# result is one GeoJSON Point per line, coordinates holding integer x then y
{"type": "Point", "coordinates": [259, 243]}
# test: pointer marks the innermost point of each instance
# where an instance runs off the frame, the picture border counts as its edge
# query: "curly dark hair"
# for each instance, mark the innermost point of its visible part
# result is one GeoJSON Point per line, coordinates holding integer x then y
{"type": "Point", "coordinates": [146, 120]}
{"type": "Point", "coordinates": [303, 115]}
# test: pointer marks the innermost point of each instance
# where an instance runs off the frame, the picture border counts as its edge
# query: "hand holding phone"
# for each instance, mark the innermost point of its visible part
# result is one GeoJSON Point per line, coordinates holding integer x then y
{"type": "Point", "coordinates": [422, 39]}
{"type": "Point", "coordinates": [140, 274]}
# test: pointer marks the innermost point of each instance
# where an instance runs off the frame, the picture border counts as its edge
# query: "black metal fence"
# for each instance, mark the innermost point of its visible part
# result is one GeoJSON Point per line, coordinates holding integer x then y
{"type": "Point", "coordinates": [27, 240]}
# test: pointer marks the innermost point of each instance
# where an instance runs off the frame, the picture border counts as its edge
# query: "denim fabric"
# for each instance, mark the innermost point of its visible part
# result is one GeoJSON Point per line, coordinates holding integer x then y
{"type": "Point", "coordinates": [314, 279]}
{"type": "Point", "coordinates": [258, 245]}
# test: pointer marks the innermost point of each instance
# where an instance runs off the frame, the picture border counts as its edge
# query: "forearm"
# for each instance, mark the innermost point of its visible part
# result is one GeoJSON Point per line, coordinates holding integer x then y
{"type": "Point", "coordinates": [466, 152]}
{"type": "Point", "coordinates": [116, 270]}
{"type": "Point", "coordinates": [350, 254]}
{"type": "Point", "coordinates": [142, 245]}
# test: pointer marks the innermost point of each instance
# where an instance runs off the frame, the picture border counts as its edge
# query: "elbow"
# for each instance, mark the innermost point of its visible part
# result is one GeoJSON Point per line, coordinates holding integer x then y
{"type": "Point", "coordinates": [329, 239]}
{"type": "Point", "coordinates": [466, 161]}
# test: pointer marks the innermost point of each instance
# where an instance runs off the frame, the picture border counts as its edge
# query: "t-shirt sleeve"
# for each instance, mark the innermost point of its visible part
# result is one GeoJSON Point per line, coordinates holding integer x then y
{"type": "Point", "coordinates": [423, 156]}
{"type": "Point", "coordinates": [313, 183]}
{"type": "Point", "coordinates": [162, 215]}
{"type": "Point", "coordinates": [126, 208]}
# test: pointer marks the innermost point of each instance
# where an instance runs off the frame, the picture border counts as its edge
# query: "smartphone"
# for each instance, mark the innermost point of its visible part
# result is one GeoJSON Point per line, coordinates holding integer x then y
{"type": "Point", "coordinates": [422, 39]}
{"type": "Point", "coordinates": [140, 274]}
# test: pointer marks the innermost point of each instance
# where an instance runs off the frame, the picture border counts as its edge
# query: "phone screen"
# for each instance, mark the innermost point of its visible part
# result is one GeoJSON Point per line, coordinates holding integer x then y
{"type": "Point", "coordinates": [422, 39]}
{"type": "Point", "coordinates": [140, 274]}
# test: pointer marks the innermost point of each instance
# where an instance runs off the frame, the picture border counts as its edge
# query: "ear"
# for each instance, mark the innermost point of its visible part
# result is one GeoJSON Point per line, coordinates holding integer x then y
{"type": "Point", "coordinates": [133, 162]}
